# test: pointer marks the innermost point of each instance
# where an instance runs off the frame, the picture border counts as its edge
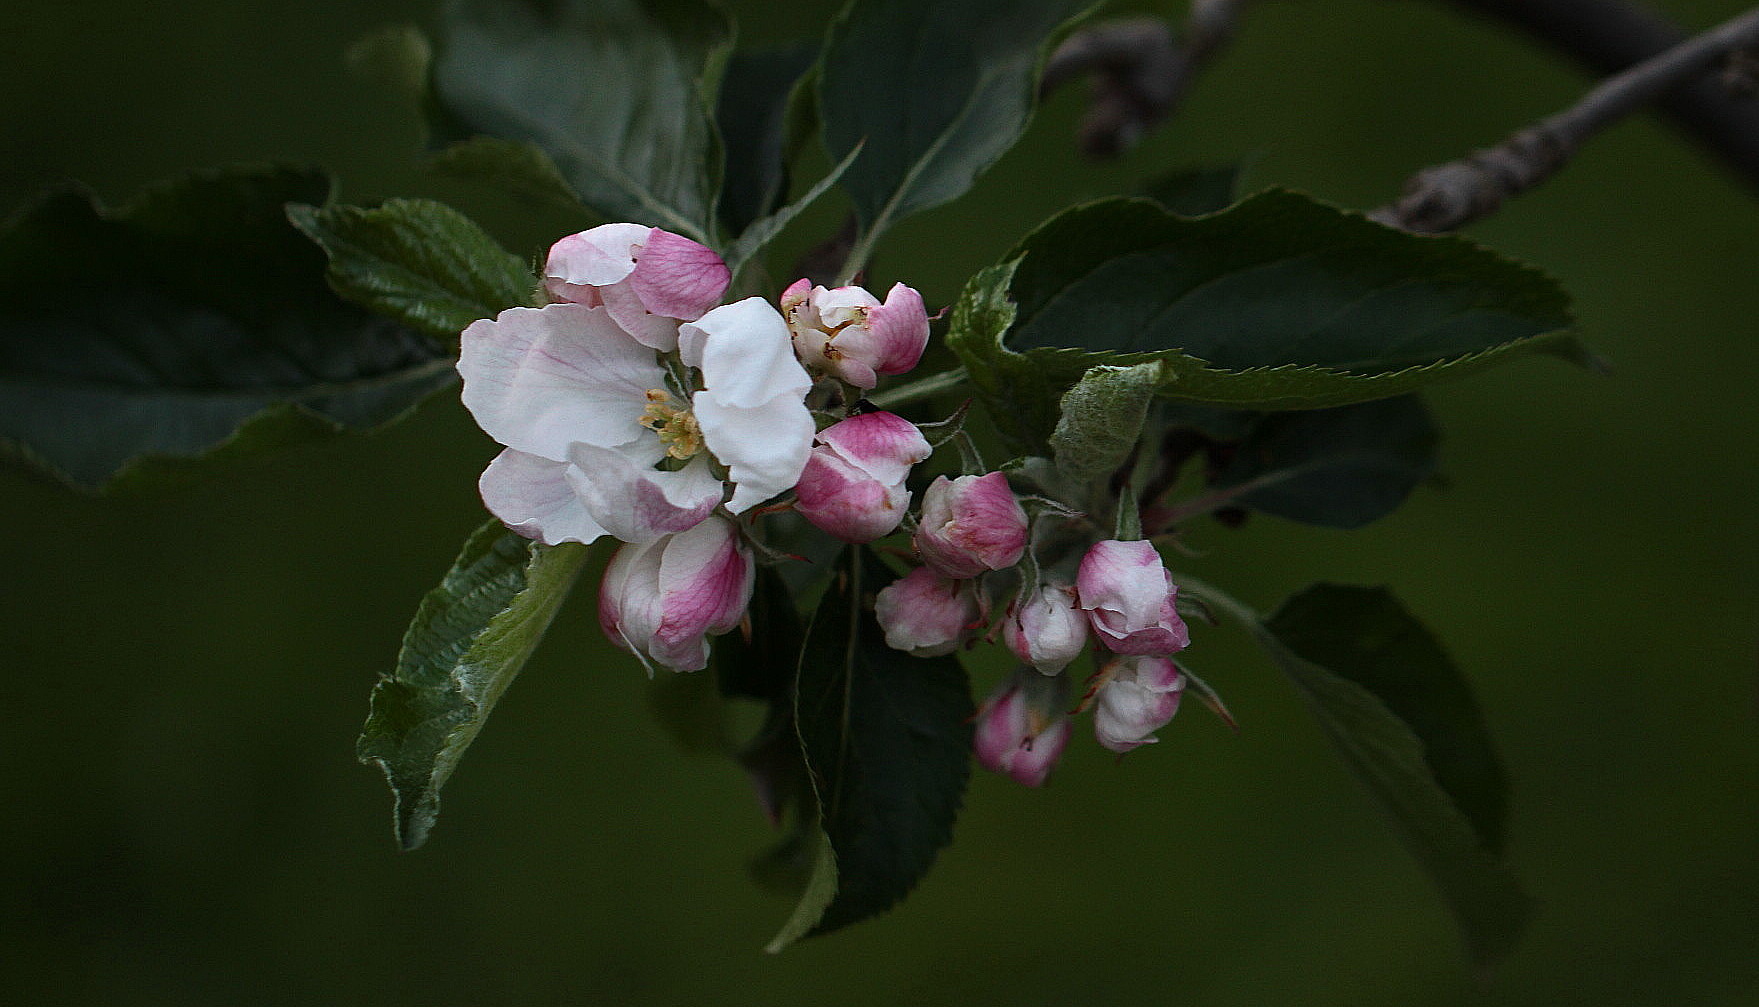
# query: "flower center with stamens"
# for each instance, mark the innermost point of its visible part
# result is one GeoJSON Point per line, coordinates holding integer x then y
{"type": "Point", "coordinates": [675, 424]}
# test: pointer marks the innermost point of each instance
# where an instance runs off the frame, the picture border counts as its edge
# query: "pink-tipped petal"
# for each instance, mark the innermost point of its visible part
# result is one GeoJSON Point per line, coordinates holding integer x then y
{"type": "Point", "coordinates": [636, 502]}
{"type": "Point", "coordinates": [897, 332]}
{"type": "Point", "coordinates": [884, 445]}
{"type": "Point", "coordinates": [533, 497]}
{"type": "Point", "coordinates": [677, 277]}
{"type": "Point", "coordinates": [540, 379]}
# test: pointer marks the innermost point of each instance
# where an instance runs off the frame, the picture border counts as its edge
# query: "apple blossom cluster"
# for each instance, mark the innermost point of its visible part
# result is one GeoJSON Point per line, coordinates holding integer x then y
{"type": "Point", "coordinates": [636, 405]}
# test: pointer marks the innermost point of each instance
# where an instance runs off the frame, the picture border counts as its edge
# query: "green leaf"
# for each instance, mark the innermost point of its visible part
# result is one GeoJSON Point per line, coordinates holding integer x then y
{"type": "Point", "coordinates": [887, 738]}
{"type": "Point", "coordinates": [1102, 417]}
{"type": "Point", "coordinates": [418, 261]}
{"type": "Point", "coordinates": [1337, 468]}
{"type": "Point", "coordinates": [752, 115]}
{"type": "Point", "coordinates": [510, 167]}
{"type": "Point", "coordinates": [1194, 192]}
{"type": "Point", "coordinates": [612, 90]}
{"type": "Point", "coordinates": [1277, 303]}
{"type": "Point", "coordinates": [191, 321]}
{"type": "Point", "coordinates": [469, 639]}
{"type": "Point", "coordinates": [1407, 724]}
{"type": "Point", "coordinates": [938, 90]}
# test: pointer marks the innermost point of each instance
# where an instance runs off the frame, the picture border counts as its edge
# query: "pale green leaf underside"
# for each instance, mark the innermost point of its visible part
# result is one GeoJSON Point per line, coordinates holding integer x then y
{"type": "Point", "coordinates": [470, 637]}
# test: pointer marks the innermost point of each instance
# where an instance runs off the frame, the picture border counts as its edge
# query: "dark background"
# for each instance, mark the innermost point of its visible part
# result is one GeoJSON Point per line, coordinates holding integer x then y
{"type": "Point", "coordinates": [185, 671]}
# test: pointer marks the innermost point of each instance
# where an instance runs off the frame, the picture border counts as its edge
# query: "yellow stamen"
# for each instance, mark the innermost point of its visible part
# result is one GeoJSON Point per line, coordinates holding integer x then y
{"type": "Point", "coordinates": [676, 425]}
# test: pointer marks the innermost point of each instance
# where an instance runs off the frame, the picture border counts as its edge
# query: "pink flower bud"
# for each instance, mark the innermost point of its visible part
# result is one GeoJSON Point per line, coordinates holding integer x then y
{"type": "Point", "coordinates": [1045, 629]}
{"type": "Point", "coordinates": [1140, 696]}
{"type": "Point", "coordinates": [1022, 729]}
{"type": "Point", "coordinates": [853, 484]}
{"type": "Point", "coordinates": [927, 614]}
{"type": "Point", "coordinates": [848, 333]}
{"type": "Point", "coordinates": [661, 600]}
{"type": "Point", "coordinates": [1128, 597]}
{"type": "Point", "coordinates": [648, 279]}
{"type": "Point", "coordinates": [971, 524]}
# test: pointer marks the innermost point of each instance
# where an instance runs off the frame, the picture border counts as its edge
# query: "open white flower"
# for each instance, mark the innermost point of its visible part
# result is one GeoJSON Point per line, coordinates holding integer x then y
{"type": "Point", "coordinates": [605, 436]}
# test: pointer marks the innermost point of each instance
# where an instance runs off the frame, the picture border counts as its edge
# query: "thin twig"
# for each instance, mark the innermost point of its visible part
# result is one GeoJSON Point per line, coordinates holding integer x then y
{"type": "Point", "coordinates": [1449, 196]}
{"type": "Point", "coordinates": [1609, 36]}
{"type": "Point", "coordinates": [1140, 72]}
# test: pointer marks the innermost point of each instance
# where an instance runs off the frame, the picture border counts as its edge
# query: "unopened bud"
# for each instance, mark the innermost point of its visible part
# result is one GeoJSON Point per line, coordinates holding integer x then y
{"type": "Point", "coordinates": [970, 525]}
{"type": "Point", "coordinates": [1045, 629]}
{"type": "Point", "coordinates": [927, 614]}
{"type": "Point", "coordinates": [853, 484]}
{"type": "Point", "coordinates": [1128, 596]}
{"type": "Point", "coordinates": [1139, 696]}
{"type": "Point", "coordinates": [661, 600]}
{"type": "Point", "coordinates": [1022, 728]}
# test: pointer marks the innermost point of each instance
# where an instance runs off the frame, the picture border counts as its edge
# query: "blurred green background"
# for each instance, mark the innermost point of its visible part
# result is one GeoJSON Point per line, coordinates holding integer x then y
{"type": "Point", "coordinates": [187, 670]}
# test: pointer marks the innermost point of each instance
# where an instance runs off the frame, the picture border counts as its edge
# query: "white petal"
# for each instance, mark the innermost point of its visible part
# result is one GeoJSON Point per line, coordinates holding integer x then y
{"type": "Point", "coordinates": [764, 448]}
{"type": "Point", "coordinates": [599, 257]}
{"type": "Point", "coordinates": [745, 353]}
{"type": "Point", "coordinates": [634, 501]}
{"type": "Point", "coordinates": [540, 379]}
{"type": "Point", "coordinates": [532, 496]}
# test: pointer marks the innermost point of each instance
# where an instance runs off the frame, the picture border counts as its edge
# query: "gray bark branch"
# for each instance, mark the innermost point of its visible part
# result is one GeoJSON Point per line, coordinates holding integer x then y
{"type": "Point", "coordinates": [1449, 196]}
{"type": "Point", "coordinates": [1606, 37]}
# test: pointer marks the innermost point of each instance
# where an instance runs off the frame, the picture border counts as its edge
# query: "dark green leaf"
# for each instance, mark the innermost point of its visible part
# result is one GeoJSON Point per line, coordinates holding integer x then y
{"type": "Point", "coordinates": [887, 738]}
{"type": "Point", "coordinates": [418, 261]}
{"type": "Point", "coordinates": [510, 167]}
{"type": "Point", "coordinates": [1278, 303]}
{"type": "Point", "coordinates": [1193, 192]}
{"type": "Point", "coordinates": [1338, 468]}
{"type": "Point", "coordinates": [159, 329]}
{"type": "Point", "coordinates": [764, 229]}
{"type": "Point", "coordinates": [612, 90]}
{"type": "Point", "coordinates": [938, 90]}
{"type": "Point", "coordinates": [1407, 724]}
{"type": "Point", "coordinates": [469, 639]}
{"type": "Point", "coordinates": [752, 115]}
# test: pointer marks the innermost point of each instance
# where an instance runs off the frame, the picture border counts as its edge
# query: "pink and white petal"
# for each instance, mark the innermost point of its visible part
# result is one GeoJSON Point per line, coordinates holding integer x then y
{"type": "Point", "coordinates": [745, 353]}
{"type": "Point", "coordinates": [632, 316]}
{"type": "Point", "coordinates": [707, 577]}
{"type": "Point", "coordinates": [842, 305]}
{"type": "Point", "coordinates": [677, 277]}
{"type": "Point", "coordinates": [636, 502]}
{"type": "Point", "coordinates": [596, 258]}
{"type": "Point", "coordinates": [899, 331]}
{"type": "Point", "coordinates": [795, 295]}
{"type": "Point", "coordinates": [764, 447]}
{"type": "Point", "coordinates": [884, 445]}
{"type": "Point", "coordinates": [532, 496]}
{"type": "Point", "coordinates": [540, 379]}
